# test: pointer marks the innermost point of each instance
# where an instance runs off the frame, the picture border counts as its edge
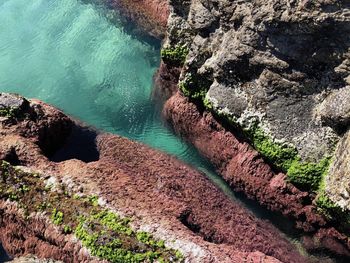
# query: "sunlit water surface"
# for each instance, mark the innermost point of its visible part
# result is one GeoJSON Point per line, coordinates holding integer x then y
{"type": "Point", "coordinates": [70, 54]}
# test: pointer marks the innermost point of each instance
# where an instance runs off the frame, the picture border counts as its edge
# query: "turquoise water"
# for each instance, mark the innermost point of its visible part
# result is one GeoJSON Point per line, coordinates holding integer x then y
{"type": "Point", "coordinates": [69, 54]}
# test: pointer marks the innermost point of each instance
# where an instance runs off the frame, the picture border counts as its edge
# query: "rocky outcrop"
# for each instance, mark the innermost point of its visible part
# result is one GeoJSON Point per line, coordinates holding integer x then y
{"type": "Point", "coordinates": [158, 193]}
{"type": "Point", "coordinates": [335, 110]}
{"type": "Point", "coordinates": [254, 63]}
{"type": "Point", "coordinates": [274, 76]}
{"type": "Point", "coordinates": [267, 63]}
{"type": "Point", "coordinates": [245, 171]}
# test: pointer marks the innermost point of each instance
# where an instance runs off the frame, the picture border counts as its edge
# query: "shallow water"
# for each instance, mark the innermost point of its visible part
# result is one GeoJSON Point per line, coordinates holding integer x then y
{"type": "Point", "coordinates": [67, 53]}
{"type": "Point", "coordinates": [79, 57]}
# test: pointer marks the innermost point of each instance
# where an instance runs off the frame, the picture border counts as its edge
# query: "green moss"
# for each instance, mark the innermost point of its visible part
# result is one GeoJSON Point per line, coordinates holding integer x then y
{"type": "Point", "coordinates": [333, 212]}
{"type": "Point", "coordinates": [281, 156]}
{"type": "Point", "coordinates": [307, 175]}
{"type": "Point", "coordinates": [93, 199]}
{"type": "Point", "coordinates": [8, 112]}
{"type": "Point", "coordinates": [175, 56]}
{"type": "Point", "coordinates": [193, 88]}
{"type": "Point", "coordinates": [67, 229]}
{"type": "Point", "coordinates": [108, 236]}
{"type": "Point", "coordinates": [56, 217]}
{"type": "Point", "coordinates": [105, 233]}
{"type": "Point", "coordinates": [208, 104]}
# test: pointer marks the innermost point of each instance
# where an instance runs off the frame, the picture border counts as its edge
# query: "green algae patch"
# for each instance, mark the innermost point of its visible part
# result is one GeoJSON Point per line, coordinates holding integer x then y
{"type": "Point", "coordinates": [8, 112]}
{"type": "Point", "coordinates": [307, 176]}
{"type": "Point", "coordinates": [106, 234]}
{"type": "Point", "coordinates": [281, 156]}
{"type": "Point", "coordinates": [174, 56]}
{"type": "Point", "coordinates": [194, 88]}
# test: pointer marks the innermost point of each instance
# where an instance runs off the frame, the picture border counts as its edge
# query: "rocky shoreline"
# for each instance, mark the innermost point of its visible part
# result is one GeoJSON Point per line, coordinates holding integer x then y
{"type": "Point", "coordinates": [204, 103]}
{"type": "Point", "coordinates": [160, 195]}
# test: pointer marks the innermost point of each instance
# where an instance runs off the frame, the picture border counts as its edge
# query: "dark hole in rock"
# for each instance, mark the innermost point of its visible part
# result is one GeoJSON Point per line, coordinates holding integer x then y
{"type": "Point", "coordinates": [11, 157]}
{"type": "Point", "coordinates": [3, 255]}
{"type": "Point", "coordinates": [187, 219]}
{"type": "Point", "coordinates": [81, 145]}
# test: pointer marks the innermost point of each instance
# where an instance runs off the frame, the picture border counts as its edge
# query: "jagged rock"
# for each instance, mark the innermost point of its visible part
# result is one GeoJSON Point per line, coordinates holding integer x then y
{"type": "Point", "coordinates": [338, 179]}
{"type": "Point", "coordinates": [12, 101]}
{"type": "Point", "coordinates": [264, 72]}
{"type": "Point", "coordinates": [335, 110]}
{"type": "Point", "coordinates": [271, 62]}
{"type": "Point", "coordinates": [12, 106]}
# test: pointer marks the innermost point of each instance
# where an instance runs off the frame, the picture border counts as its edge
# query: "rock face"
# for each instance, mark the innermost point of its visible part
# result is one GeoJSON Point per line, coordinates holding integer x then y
{"type": "Point", "coordinates": [269, 63]}
{"type": "Point", "coordinates": [160, 194]}
{"type": "Point", "coordinates": [338, 179]}
{"type": "Point", "coordinates": [335, 110]}
{"type": "Point", "coordinates": [273, 75]}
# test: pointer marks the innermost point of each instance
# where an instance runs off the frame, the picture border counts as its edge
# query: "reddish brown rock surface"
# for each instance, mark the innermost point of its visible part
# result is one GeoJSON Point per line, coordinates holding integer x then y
{"type": "Point", "coordinates": [161, 194]}
{"type": "Point", "coordinates": [150, 15]}
{"type": "Point", "coordinates": [245, 171]}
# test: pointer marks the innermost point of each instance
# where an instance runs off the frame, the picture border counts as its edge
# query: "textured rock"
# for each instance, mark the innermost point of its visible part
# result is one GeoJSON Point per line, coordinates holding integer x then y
{"type": "Point", "coordinates": [272, 71]}
{"type": "Point", "coordinates": [338, 179]}
{"type": "Point", "coordinates": [335, 110]}
{"type": "Point", "coordinates": [246, 171]}
{"type": "Point", "coordinates": [159, 193]}
{"type": "Point", "coordinates": [271, 62]}
{"type": "Point", "coordinates": [33, 259]}
{"type": "Point", "coordinates": [11, 101]}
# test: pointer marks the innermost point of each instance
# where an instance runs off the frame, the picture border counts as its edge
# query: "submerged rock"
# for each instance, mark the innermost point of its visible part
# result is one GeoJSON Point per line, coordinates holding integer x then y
{"type": "Point", "coordinates": [150, 15]}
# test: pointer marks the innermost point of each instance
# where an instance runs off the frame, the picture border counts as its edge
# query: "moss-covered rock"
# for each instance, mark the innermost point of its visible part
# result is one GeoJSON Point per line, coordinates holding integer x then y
{"type": "Point", "coordinates": [106, 234]}
{"type": "Point", "coordinates": [12, 105]}
{"type": "Point", "coordinates": [175, 56]}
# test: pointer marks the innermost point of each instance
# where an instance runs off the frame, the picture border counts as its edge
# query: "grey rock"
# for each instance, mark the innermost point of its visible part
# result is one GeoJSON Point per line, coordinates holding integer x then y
{"type": "Point", "coordinates": [272, 61]}
{"type": "Point", "coordinates": [335, 110]}
{"type": "Point", "coordinates": [338, 179]}
{"type": "Point", "coordinates": [13, 101]}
